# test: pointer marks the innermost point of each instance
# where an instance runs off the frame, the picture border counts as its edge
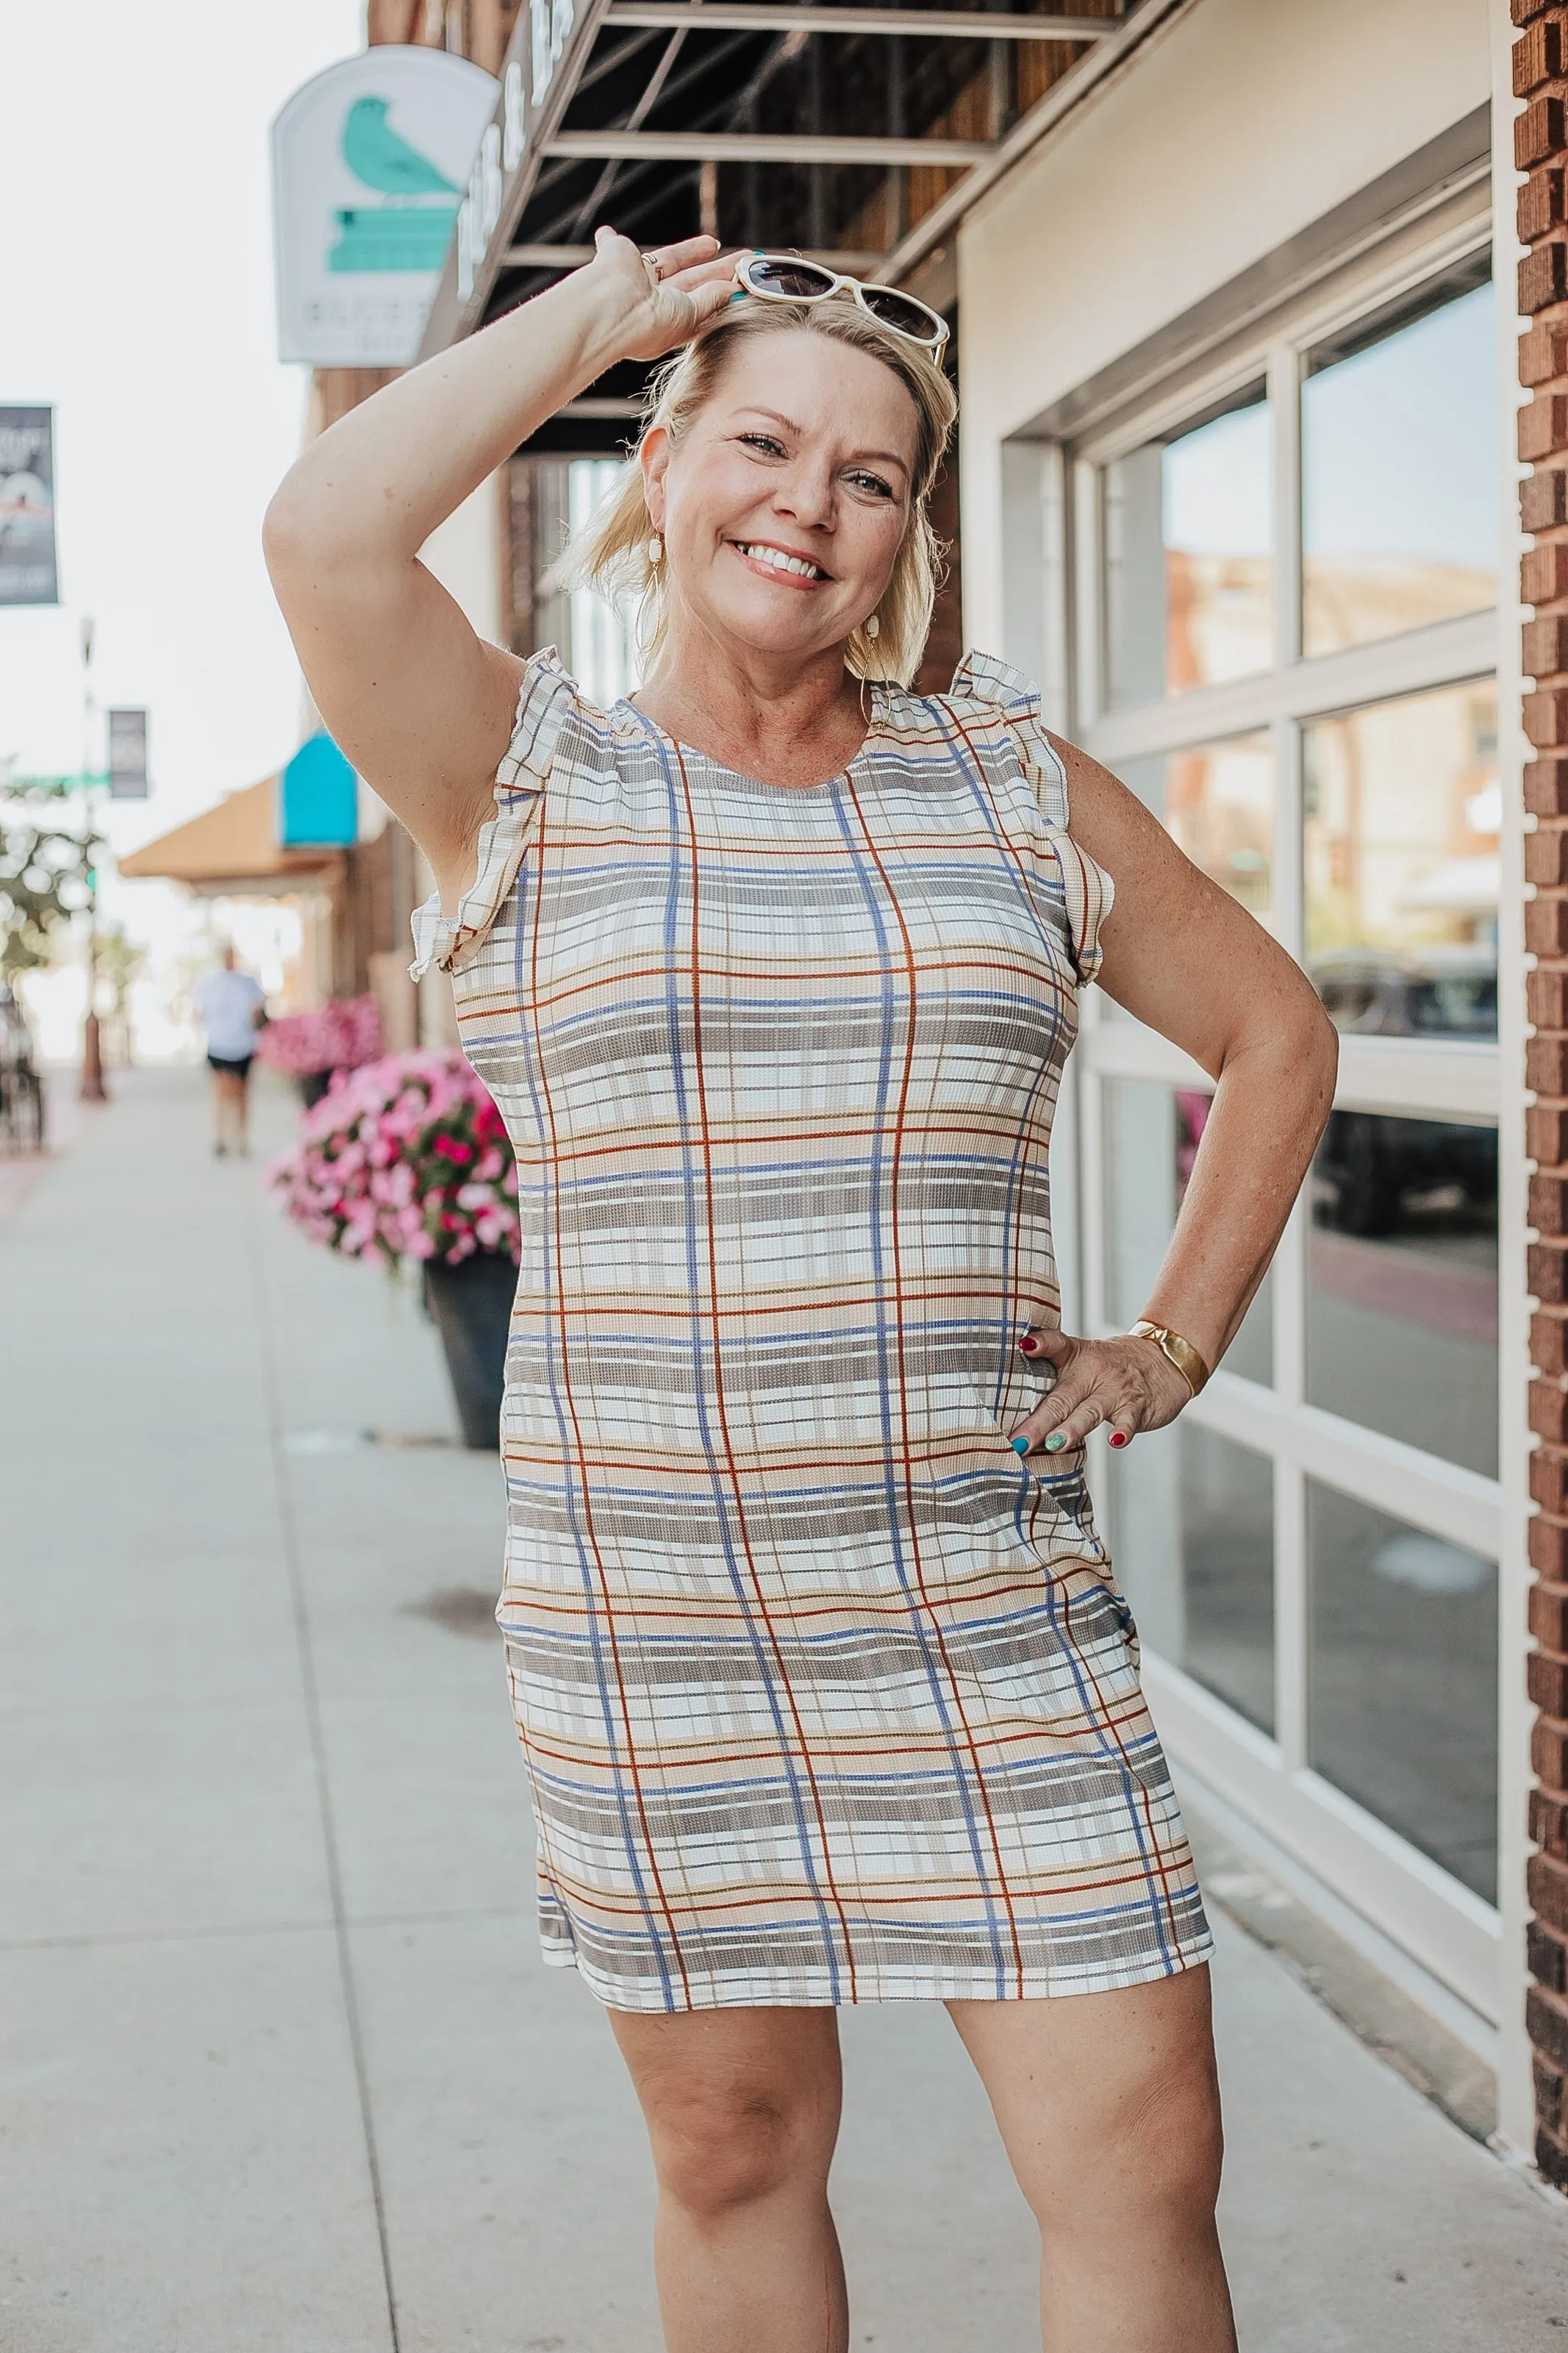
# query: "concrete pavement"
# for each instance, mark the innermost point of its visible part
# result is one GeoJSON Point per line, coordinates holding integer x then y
{"type": "Point", "coordinates": [278, 2064]}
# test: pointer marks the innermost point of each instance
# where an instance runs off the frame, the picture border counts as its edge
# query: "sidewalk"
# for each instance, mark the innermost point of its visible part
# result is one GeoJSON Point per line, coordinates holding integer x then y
{"type": "Point", "coordinates": [273, 2028]}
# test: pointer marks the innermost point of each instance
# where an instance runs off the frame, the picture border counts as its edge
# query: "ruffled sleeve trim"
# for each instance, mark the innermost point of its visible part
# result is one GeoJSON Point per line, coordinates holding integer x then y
{"type": "Point", "coordinates": [1089, 890]}
{"type": "Point", "coordinates": [545, 695]}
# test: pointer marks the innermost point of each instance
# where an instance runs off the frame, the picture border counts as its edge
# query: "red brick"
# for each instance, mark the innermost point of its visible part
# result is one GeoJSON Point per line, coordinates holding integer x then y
{"type": "Point", "coordinates": [1546, 1135]}
{"type": "Point", "coordinates": [1546, 856]}
{"type": "Point", "coordinates": [1543, 351]}
{"type": "Point", "coordinates": [1552, 2160]}
{"type": "Point", "coordinates": [1547, 1283]}
{"type": "Point", "coordinates": [1546, 1677]}
{"type": "Point", "coordinates": [1542, 281]}
{"type": "Point", "coordinates": [1543, 573]}
{"type": "Point", "coordinates": [1548, 1200]}
{"type": "Point", "coordinates": [1549, 1826]}
{"type": "Point", "coordinates": [1546, 640]}
{"type": "Point", "coordinates": [1524, 11]}
{"type": "Point", "coordinates": [1538, 57]}
{"type": "Point", "coordinates": [1539, 205]}
{"type": "Point", "coordinates": [1548, 1614]}
{"type": "Point", "coordinates": [1549, 1754]}
{"type": "Point", "coordinates": [1546, 1065]}
{"type": "Point", "coordinates": [1546, 998]}
{"type": "Point", "coordinates": [1547, 1541]}
{"type": "Point", "coordinates": [1546, 920]}
{"type": "Point", "coordinates": [1543, 499]}
{"type": "Point", "coordinates": [1548, 2092]}
{"type": "Point", "coordinates": [1546, 712]}
{"type": "Point", "coordinates": [1547, 1958]}
{"type": "Point", "coordinates": [1538, 133]}
{"type": "Point", "coordinates": [1548, 1408]}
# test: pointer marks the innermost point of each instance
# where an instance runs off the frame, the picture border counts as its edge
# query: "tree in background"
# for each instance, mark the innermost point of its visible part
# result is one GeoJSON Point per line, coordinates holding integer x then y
{"type": "Point", "coordinates": [120, 959]}
{"type": "Point", "coordinates": [46, 878]}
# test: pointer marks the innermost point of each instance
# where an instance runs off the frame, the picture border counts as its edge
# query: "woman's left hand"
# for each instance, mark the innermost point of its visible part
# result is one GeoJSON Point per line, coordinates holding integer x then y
{"type": "Point", "coordinates": [1130, 1383]}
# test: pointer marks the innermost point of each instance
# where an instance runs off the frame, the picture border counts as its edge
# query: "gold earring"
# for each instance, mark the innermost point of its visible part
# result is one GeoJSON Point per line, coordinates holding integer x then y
{"type": "Point", "coordinates": [873, 626]}
{"type": "Point", "coordinates": [654, 551]}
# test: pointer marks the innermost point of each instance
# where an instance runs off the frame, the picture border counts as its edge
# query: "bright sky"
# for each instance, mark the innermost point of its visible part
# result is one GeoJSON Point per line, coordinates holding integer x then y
{"type": "Point", "coordinates": [136, 269]}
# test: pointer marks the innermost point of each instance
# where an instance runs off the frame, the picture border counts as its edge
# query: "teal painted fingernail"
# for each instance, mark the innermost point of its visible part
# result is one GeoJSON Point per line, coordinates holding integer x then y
{"type": "Point", "coordinates": [1020, 1446]}
{"type": "Point", "coordinates": [1058, 1439]}
{"type": "Point", "coordinates": [739, 295]}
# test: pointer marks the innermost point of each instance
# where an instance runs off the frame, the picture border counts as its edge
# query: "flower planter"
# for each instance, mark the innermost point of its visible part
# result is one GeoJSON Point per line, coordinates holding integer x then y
{"type": "Point", "coordinates": [472, 1306]}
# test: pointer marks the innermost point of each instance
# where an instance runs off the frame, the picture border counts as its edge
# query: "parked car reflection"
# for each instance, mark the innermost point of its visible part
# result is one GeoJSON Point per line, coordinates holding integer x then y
{"type": "Point", "coordinates": [1443, 992]}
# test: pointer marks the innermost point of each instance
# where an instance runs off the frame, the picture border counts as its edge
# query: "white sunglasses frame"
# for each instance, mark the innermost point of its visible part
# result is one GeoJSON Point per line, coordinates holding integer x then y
{"type": "Point", "coordinates": [855, 286]}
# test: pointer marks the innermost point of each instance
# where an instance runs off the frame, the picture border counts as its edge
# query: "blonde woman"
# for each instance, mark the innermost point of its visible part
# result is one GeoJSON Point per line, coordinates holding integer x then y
{"type": "Point", "coordinates": [826, 1687]}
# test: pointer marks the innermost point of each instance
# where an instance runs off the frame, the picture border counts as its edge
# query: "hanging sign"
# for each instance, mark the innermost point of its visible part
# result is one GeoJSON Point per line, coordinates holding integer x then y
{"type": "Point", "coordinates": [370, 160]}
{"type": "Point", "coordinates": [29, 574]}
{"type": "Point", "coordinates": [127, 756]}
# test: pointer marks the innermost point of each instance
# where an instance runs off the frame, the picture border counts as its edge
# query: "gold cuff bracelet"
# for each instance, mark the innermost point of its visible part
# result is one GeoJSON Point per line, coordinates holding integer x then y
{"type": "Point", "coordinates": [1181, 1353]}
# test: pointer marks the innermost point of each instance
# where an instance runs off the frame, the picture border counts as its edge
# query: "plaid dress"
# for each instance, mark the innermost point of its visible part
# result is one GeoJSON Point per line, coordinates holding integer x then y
{"type": "Point", "coordinates": [826, 1695]}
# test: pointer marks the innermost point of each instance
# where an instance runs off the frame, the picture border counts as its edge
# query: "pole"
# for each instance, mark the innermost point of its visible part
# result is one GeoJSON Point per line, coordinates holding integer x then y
{"type": "Point", "coordinates": [92, 1088]}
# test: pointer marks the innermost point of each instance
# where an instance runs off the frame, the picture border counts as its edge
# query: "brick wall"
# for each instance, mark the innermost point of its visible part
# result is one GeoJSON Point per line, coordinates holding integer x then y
{"type": "Point", "coordinates": [1541, 150]}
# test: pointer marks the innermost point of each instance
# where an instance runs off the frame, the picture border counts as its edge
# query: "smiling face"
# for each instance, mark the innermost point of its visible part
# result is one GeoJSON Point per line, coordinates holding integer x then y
{"type": "Point", "coordinates": [784, 504]}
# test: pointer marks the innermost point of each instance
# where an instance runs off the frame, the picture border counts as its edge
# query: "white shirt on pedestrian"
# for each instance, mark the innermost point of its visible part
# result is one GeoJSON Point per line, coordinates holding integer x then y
{"type": "Point", "coordinates": [229, 1002]}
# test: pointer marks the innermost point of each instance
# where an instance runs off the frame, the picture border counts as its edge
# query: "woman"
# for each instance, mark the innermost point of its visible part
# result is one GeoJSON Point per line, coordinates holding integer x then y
{"type": "Point", "coordinates": [824, 1685]}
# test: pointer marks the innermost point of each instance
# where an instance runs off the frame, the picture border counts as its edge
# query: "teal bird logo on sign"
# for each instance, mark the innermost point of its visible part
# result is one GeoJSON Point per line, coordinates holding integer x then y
{"type": "Point", "coordinates": [409, 232]}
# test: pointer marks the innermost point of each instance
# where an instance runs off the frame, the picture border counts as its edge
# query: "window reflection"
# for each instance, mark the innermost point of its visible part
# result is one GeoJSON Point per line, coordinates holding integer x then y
{"type": "Point", "coordinates": [1188, 525]}
{"type": "Point", "coordinates": [1401, 1694]}
{"type": "Point", "coordinates": [1402, 1308]}
{"type": "Point", "coordinates": [1399, 477]}
{"type": "Point", "coordinates": [1217, 802]}
{"type": "Point", "coordinates": [1403, 812]}
{"type": "Point", "coordinates": [1192, 1523]}
{"type": "Point", "coordinates": [1152, 1138]}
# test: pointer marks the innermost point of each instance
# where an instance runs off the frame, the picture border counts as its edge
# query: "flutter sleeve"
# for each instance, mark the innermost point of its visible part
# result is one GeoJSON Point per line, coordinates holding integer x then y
{"type": "Point", "coordinates": [1089, 890]}
{"type": "Point", "coordinates": [546, 695]}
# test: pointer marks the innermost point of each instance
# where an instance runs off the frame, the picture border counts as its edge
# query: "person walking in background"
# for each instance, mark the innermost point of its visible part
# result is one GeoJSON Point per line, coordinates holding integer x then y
{"type": "Point", "coordinates": [232, 1007]}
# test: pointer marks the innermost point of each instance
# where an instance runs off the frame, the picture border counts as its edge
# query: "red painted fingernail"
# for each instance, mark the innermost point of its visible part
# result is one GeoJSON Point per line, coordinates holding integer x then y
{"type": "Point", "coordinates": [1028, 1345]}
{"type": "Point", "coordinates": [1119, 1438]}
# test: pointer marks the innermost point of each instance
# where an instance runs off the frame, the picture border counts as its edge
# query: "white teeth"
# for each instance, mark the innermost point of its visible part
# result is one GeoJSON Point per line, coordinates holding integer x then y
{"type": "Point", "coordinates": [782, 563]}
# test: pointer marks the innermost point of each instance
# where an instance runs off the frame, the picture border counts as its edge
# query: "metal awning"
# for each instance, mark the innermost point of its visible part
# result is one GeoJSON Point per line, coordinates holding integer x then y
{"type": "Point", "coordinates": [857, 133]}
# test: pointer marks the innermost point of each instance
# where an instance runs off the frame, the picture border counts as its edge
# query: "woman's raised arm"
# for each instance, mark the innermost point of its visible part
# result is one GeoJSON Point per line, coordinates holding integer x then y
{"type": "Point", "coordinates": [420, 704]}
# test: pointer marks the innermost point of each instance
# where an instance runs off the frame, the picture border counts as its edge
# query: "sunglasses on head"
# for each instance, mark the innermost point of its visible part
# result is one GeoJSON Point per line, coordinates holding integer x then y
{"type": "Point", "coordinates": [787, 277]}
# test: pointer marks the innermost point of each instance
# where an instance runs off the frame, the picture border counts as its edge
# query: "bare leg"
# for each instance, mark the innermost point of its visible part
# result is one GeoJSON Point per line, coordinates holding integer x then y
{"type": "Point", "coordinates": [1109, 2106]}
{"type": "Point", "coordinates": [229, 1111]}
{"type": "Point", "coordinates": [742, 2108]}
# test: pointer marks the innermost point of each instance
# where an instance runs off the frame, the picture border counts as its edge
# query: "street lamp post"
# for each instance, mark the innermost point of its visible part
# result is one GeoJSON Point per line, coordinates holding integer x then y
{"type": "Point", "coordinates": [92, 1088]}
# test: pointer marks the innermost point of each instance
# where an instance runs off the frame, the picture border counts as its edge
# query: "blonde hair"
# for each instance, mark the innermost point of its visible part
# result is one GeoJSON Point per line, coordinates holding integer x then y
{"type": "Point", "coordinates": [610, 553]}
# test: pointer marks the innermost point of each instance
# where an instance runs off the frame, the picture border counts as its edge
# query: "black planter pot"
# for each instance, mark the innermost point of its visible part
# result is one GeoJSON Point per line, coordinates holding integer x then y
{"type": "Point", "coordinates": [471, 1305]}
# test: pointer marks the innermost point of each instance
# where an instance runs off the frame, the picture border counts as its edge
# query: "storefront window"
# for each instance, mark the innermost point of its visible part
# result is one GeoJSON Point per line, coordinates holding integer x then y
{"type": "Point", "coordinates": [1192, 1523]}
{"type": "Point", "coordinates": [1217, 802]}
{"type": "Point", "coordinates": [1188, 523]}
{"type": "Point", "coordinates": [1402, 1304]}
{"type": "Point", "coordinates": [1402, 1706]}
{"type": "Point", "coordinates": [1399, 477]}
{"type": "Point", "coordinates": [1402, 810]}
{"type": "Point", "coordinates": [1152, 1136]}
{"type": "Point", "coordinates": [601, 660]}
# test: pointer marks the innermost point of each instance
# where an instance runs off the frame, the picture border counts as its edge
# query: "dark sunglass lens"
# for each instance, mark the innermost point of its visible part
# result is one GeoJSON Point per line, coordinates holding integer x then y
{"type": "Point", "coordinates": [796, 281]}
{"type": "Point", "coordinates": [899, 312]}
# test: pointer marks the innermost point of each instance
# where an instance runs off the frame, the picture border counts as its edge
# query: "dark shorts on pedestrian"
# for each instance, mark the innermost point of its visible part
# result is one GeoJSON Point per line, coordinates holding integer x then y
{"type": "Point", "coordinates": [239, 1069]}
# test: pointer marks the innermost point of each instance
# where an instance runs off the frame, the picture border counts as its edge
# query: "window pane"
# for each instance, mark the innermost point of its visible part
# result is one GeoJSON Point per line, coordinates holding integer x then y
{"type": "Point", "coordinates": [1152, 1135]}
{"type": "Point", "coordinates": [1402, 1303]}
{"type": "Point", "coordinates": [1399, 459]}
{"type": "Point", "coordinates": [1217, 802]}
{"type": "Point", "coordinates": [1193, 1521]}
{"type": "Point", "coordinates": [1403, 807]}
{"type": "Point", "coordinates": [1402, 1712]}
{"type": "Point", "coordinates": [1188, 528]}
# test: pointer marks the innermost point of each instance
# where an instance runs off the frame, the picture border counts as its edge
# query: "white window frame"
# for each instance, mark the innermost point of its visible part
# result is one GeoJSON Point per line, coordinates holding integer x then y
{"type": "Point", "coordinates": [1443, 1923]}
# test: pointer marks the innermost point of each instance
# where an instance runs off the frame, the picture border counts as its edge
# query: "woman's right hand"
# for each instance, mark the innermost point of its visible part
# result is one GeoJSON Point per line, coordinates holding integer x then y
{"type": "Point", "coordinates": [663, 297]}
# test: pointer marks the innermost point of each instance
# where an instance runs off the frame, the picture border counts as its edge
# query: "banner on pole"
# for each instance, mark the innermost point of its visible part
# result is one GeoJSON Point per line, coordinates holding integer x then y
{"type": "Point", "coordinates": [29, 573]}
{"type": "Point", "coordinates": [127, 756]}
